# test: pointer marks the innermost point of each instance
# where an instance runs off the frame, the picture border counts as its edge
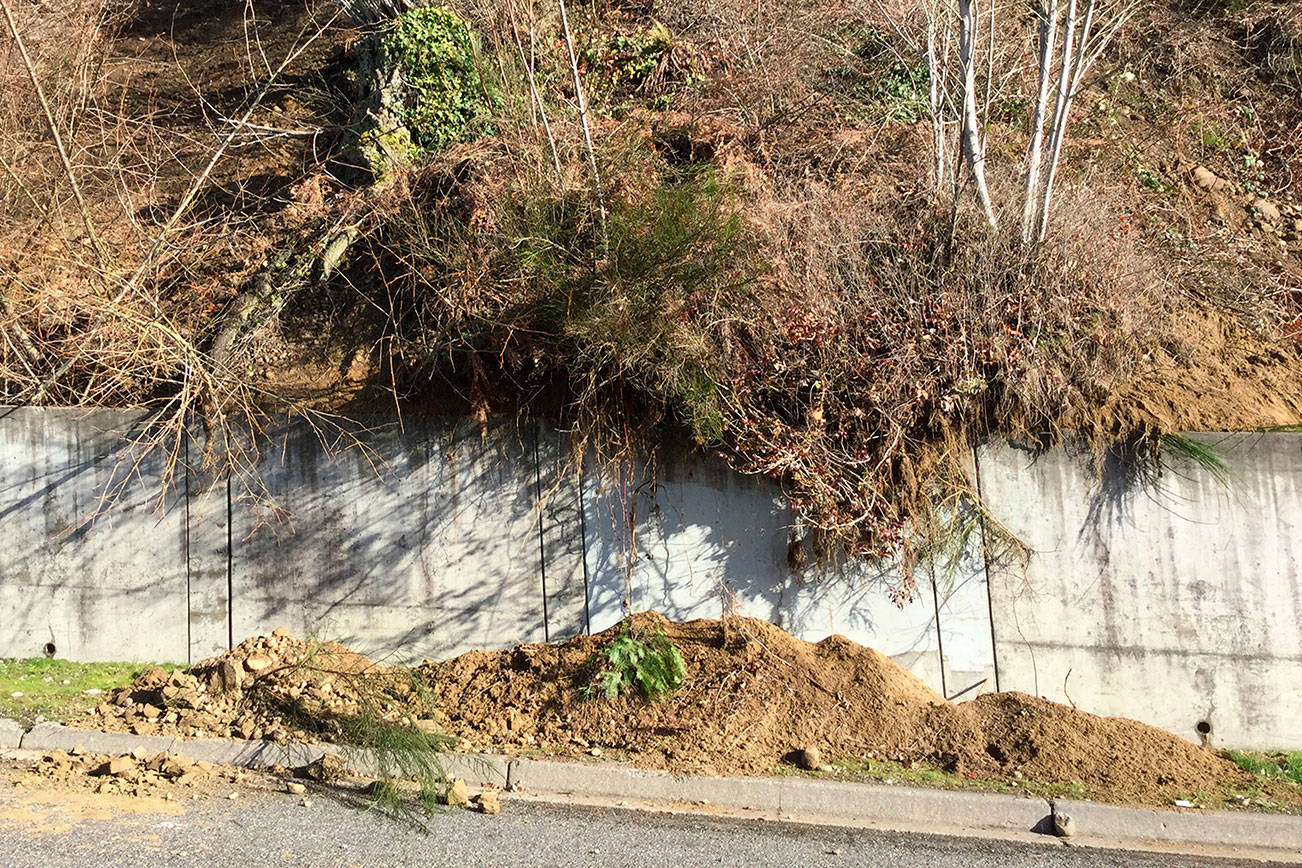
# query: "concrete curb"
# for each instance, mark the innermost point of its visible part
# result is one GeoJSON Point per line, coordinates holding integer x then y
{"type": "Point", "coordinates": [898, 808]}
{"type": "Point", "coordinates": [903, 809]}
{"type": "Point", "coordinates": [602, 780]}
{"type": "Point", "coordinates": [11, 733]}
{"type": "Point", "coordinates": [1094, 822]}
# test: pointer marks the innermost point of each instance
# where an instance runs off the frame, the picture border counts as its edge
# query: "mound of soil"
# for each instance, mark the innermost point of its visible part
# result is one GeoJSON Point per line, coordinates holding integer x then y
{"type": "Point", "coordinates": [752, 695]}
{"type": "Point", "coordinates": [274, 687]}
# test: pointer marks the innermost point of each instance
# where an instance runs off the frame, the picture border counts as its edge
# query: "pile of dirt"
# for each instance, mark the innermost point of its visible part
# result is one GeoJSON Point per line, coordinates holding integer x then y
{"type": "Point", "coordinates": [275, 687]}
{"type": "Point", "coordinates": [138, 773]}
{"type": "Point", "coordinates": [752, 696]}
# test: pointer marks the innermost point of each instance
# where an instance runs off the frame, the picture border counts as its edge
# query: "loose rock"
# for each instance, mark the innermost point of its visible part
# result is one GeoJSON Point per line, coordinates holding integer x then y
{"type": "Point", "coordinates": [1266, 212]}
{"type": "Point", "coordinates": [809, 759]}
{"type": "Point", "coordinates": [330, 767]}
{"type": "Point", "coordinates": [487, 802]}
{"type": "Point", "coordinates": [458, 795]}
{"type": "Point", "coordinates": [258, 662]}
{"type": "Point", "coordinates": [1208, 180]}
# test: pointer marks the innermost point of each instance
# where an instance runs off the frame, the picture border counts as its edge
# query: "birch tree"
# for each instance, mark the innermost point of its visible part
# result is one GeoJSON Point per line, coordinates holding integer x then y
{"type": "Point", "coordinates": [1087, 28]}
{"type": "Point", "coordinates": [1071, 36]}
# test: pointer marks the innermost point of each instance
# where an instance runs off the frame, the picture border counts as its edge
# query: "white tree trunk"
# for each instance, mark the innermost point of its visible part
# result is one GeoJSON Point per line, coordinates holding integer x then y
{"type": "Point", "coordinates": [973, 151]}
{"type": "Point", "coordinates": [587, 130]}
{"type": "Point", "coordinates": [1061, 113]}
{"type": "Point", "coordinates": [935, 77]}
{"type": "Point", "coordinates": [1031, 187]}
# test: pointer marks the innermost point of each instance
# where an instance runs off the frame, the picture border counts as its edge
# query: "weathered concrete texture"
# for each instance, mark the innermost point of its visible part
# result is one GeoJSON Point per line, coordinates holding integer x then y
{"type": "Point", "coordinates": [884, 806]}
{"type": "Point", "coordinates": [250, 754]}
{"type": "Point", "coordinates": [11, 733]}
{"type": "Point", "coordinates": [208, 548]}
{"type": "Point", "coordinates": [1111, 825]}
{"type": "Point", "coordinates": [93, 565]}
{"type": "Point", "coordinates": [405, 543]}
{"type": "Point", "coordinates": [608, 780]}
{"type": "Point", "coordinates": [907, 809]}
{"type": "Point", "coordinates": [560, 501]}
{"type": "Point", "coordinates": [1176, 605]}
{"type": "Point", "coordinates": [688, 537]}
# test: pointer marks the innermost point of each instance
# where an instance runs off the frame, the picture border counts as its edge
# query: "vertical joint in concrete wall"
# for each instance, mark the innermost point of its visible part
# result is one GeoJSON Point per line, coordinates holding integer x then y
{"type": "Point", "coordinates": [583, 546]}
{"type": "Point", "coordinates": [985, 562]}
{"type": "Point", "coordinates": [542, 540]}
{"type": "Point", "coordinates": [940, 639]}
{"type": "Point", "coordinates": [230, 568]}
{"type": "Point", "coordinates": [189, 586]}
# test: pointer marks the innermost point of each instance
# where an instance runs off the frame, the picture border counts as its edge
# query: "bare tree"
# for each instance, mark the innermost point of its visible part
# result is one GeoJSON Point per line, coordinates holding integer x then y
{"type": "Point", "coordinates": [1087, 32]}
{"type": "Point", "coordinates": [1072, 35]}
{"type": "Point", "coordinates": [974, 152]}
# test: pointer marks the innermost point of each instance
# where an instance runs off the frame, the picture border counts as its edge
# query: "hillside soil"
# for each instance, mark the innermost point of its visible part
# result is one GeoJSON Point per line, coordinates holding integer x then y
{"type": "Point", "coordinates": [753, 696]}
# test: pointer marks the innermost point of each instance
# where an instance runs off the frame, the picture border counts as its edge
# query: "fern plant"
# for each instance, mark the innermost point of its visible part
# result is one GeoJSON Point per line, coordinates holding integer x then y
{"type": "Point", "coordinates": [642, 660]}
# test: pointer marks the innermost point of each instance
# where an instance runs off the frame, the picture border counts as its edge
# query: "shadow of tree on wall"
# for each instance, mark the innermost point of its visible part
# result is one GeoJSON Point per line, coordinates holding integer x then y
{"type": "Point", "coordinates": [94, 533]}
{"type": "Point", "coordinates": [690, 538]}
{"type": "Point", "coordinates": [405, 542]}
{"type": "Point", "coordinates": [415, 542]}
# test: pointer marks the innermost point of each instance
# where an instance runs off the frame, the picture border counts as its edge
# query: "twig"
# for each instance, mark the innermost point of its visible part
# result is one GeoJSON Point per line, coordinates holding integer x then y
{"type": "Point", "coordinates": [54, 129]}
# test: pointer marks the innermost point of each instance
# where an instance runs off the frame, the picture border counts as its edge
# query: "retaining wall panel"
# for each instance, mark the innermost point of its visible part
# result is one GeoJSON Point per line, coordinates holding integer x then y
{"type": "Point", "coordinates": [95, 539]}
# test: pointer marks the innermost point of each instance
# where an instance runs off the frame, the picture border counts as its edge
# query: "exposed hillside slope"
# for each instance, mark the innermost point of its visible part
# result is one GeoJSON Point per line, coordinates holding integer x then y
{"type": "Point", "coordinates": [732, 231]}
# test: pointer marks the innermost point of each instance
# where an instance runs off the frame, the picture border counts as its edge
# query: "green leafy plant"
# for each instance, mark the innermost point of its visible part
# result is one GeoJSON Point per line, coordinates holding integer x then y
{"type": "Point", "coordinates": [447, 99]}
{"type": "Point", "coordinates": [642, 660]}
{"type": "Point", "coordinates": [646, 64]}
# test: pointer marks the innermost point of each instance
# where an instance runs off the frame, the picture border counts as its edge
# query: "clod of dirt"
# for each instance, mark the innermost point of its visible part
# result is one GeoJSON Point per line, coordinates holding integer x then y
{"type": "Point", "coordinates": [809, 759]}
{"type": "Point", "coordinates": [136, 774]}
{"type": "Point", "coordinates": [329, 767]}
{"type": "Point", "coordinates": [487, 802]}
{"type": "Point", "coordinates": [276, 688]}
{"type": "Point", "coordinates": [458, 794]}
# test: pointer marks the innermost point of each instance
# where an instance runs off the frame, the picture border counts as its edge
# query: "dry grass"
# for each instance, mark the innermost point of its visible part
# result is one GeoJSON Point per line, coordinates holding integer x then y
{"type": "Point", "coordinates": [742, 247]}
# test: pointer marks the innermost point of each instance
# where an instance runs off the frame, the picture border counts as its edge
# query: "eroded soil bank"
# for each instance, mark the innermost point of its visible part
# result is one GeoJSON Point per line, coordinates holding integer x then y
{"type": "Point", "coordinates": [752, 694]}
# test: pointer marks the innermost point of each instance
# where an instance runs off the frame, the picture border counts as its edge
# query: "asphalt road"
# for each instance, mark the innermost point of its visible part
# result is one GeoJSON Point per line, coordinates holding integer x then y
{"type": "Point", "coordinates": [261, 828]}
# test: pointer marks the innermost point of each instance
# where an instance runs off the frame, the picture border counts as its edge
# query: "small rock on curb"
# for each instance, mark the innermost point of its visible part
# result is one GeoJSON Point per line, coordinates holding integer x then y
{"type": "Point", "coordinates": [487, 802]}
{"type": "Point", "coordinates": [1063, 824]}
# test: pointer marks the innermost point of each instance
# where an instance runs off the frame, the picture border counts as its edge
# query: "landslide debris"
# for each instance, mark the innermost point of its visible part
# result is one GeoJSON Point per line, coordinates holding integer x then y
{"type": "Point", "coordinates": [753, 694]}
{"type": "Point", "coordinates": [278, 688]}
{"type": "Point", "coordinates": [138, 774]}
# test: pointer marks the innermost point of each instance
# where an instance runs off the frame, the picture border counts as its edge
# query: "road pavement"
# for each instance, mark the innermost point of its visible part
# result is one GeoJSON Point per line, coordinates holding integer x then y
{"type": "Point", "coordinates": [59, 828]}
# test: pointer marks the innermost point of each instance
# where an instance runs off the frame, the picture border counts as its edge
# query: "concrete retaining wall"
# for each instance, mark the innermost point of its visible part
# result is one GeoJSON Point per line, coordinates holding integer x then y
{"type": "Point", "coordinates": [1175, 605]}
{"type": "Point", "coordinates": [1179, 603]}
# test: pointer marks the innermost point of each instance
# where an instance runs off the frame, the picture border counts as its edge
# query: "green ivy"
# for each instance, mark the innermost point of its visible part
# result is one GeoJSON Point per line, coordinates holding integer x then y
{"type": "Point", "coordinates": [890, 83]}
{"type": "Point", "coordinates": [447, 100]}
{"type": "Point", "coordinates": [633, 65]}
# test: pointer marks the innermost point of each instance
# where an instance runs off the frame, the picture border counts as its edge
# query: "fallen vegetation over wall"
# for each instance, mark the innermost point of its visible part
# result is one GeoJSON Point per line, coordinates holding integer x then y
{"type": "Point", "coordinates": [717, 222]}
